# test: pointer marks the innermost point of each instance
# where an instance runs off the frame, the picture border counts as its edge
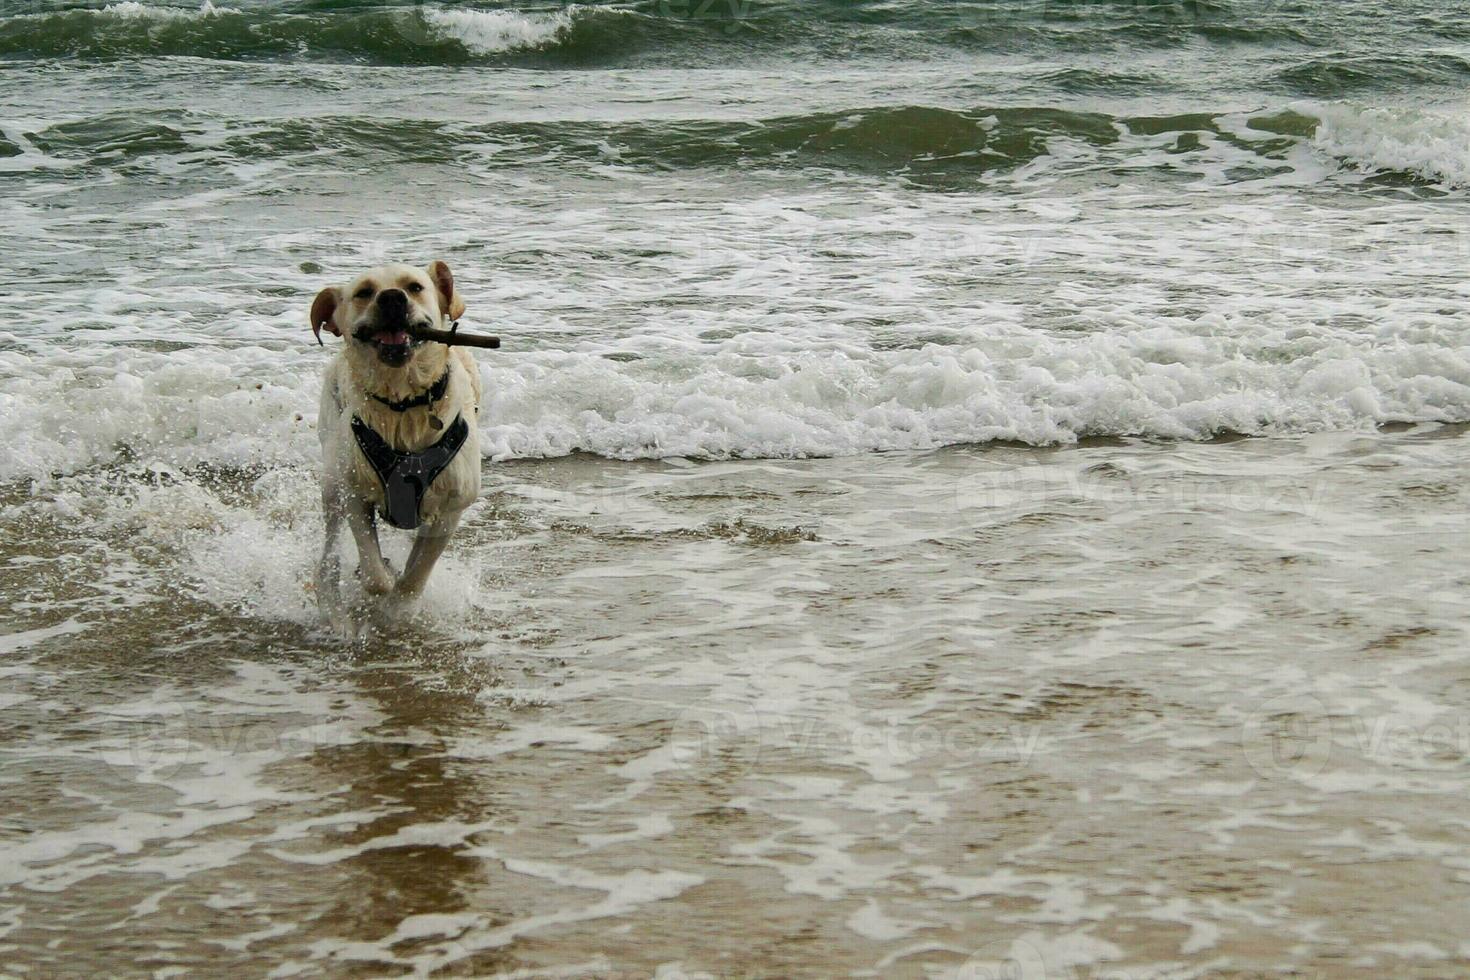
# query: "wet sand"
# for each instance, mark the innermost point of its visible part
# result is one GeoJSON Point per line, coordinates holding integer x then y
{"type": "Point", "coordinates": [1124, 709]}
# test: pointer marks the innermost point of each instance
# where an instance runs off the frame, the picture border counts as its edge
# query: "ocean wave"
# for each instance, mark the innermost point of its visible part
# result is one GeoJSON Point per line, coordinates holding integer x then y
{"type": "Point", "coordinates": [700, 32]}
{"type": "Point", "coordinates": [1341, 74]}
{"type": "Point", "coordinates": [1187, 380]}
{"type": "Point", "coordinates": [411, 35]}
{"type": "Point", "coordinates": [133, 10]}
{"type": "Point", "coordinates": [884, 139]}
{"type": "Point", "coordinates": [494, 31]}
{"type": "Point", "coordinates": [840, 404]}
{"type": "Point", "coordinates": [931, 145]}
{"type": "Point", "coordinates": [1434, 146]}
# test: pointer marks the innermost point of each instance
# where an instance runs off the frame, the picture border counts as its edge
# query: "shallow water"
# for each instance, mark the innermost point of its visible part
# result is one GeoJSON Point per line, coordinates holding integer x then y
{"type": "Point", "coordinates": [1123, 709]}
{"type": "Point", "coordinates": [972, 489]}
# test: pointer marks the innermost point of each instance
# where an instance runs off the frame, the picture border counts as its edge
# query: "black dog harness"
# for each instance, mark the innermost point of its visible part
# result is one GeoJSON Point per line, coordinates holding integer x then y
{"type": "Point", "coordinates": [436, 391]}
{"type": "Point", "coordinates": [405, 476]}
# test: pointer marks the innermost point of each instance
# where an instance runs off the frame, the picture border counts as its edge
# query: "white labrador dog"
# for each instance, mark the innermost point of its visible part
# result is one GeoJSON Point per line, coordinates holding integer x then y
{"type": "Point", "coordinates": [397, 424]}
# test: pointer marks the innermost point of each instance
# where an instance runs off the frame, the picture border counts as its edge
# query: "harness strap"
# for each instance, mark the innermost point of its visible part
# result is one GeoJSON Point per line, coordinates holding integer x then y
{"type": "Point", "coordinates": [405, 476]}
{"type": "Point", "coordinates": [436, 391]}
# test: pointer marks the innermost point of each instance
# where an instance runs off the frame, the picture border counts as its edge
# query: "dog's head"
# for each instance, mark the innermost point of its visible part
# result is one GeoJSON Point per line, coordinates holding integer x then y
{"type": "Point", "coordinates": [379, 311]}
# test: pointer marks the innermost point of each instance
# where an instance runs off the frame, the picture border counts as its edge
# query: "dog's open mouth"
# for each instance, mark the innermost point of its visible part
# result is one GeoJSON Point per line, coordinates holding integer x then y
{"type": "Point", "coordinates": [393, 344]}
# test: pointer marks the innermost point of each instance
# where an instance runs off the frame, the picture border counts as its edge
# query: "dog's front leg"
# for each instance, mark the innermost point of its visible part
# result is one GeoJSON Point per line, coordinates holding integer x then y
{"type": "Point", "coordinates": [377, 579]}
{"type": "Point", "coordinates": [329, 567]}
{"type": "Point", "coordinates": [428, 545]}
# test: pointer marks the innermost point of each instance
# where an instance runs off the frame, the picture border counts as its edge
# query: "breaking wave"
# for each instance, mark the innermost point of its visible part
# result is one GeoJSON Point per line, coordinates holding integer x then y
{"type": "Point", "coordinates": [1181, 380]}
{"type": "Point", "coordinates": [930, 144]}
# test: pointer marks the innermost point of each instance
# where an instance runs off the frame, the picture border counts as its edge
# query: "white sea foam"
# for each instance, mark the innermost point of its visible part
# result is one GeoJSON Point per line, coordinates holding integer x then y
{"type": "Point", "coordinates": [1055, 392]}
{"type": "Point", "coordinates": [133, 10]}
{"type": "Point", "coordinates": [1432, 144]}
{"type": "Point", "coordinates": [1187, 380]}
{"type": "Point", "coordinates": [492, 31]}
{"type": "Point", "coordinates": [481, 31]}
{"type": "Point", "coordinates": [29, 156]}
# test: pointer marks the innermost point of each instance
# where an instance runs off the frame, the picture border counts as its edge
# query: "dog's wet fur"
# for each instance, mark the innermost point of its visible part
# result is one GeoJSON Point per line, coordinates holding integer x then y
{"type": "Point", "coordinates": [377, 315]}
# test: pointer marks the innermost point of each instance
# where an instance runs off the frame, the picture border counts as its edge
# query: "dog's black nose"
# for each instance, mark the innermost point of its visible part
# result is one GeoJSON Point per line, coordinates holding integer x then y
{"type": "Point", "coordinates": [393, 302]}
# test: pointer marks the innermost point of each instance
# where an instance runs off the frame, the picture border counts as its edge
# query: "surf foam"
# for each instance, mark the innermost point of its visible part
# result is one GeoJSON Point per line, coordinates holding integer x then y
{"type": "Point", "coordinates": [1429, 144]}
{"type": "Point", "coordinates": [1188, 380]}
{"type": "Point", "coordinates": [133, 10]}
{"type": "Point", "coordinates": [493, 31]}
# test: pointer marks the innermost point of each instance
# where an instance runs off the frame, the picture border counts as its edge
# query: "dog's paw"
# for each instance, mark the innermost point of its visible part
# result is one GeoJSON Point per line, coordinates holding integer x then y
{"type": "Point", "coordinates": [375, 583]}
{"type": "Point", "coordinates": [407, 595]}
{"type": "Point", "coordinates": [377, 586]}
{"type": "Point", "coordinates": [399, 605]}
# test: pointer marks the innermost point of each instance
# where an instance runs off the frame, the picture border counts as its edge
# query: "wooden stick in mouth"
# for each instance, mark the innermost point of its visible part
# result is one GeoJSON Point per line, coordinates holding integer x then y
{"type": "Point", "coordinates": [454, 338]}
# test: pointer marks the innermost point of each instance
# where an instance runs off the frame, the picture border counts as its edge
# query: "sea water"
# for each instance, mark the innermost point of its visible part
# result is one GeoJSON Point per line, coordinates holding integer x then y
{"type": "Point", "coordinates": [970, 487]}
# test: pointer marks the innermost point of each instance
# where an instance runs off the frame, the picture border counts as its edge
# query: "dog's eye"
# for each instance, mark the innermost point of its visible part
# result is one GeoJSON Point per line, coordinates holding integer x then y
{"type": "Point", "coordinates": [365, 292]}
{"type": "Point", "coordinates": [415, 287]}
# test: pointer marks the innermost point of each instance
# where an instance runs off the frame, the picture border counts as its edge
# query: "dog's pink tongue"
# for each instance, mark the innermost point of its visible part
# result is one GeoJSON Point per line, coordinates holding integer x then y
{"type": "Point", "coordinates": [393, 337]}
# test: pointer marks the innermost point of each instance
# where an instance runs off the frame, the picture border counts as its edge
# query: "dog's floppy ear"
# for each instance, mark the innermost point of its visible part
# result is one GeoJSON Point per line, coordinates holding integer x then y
{"type": "Point", "coordinates": [449, 302]}
{"type": "Point", "coordinates": [324, 312]}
